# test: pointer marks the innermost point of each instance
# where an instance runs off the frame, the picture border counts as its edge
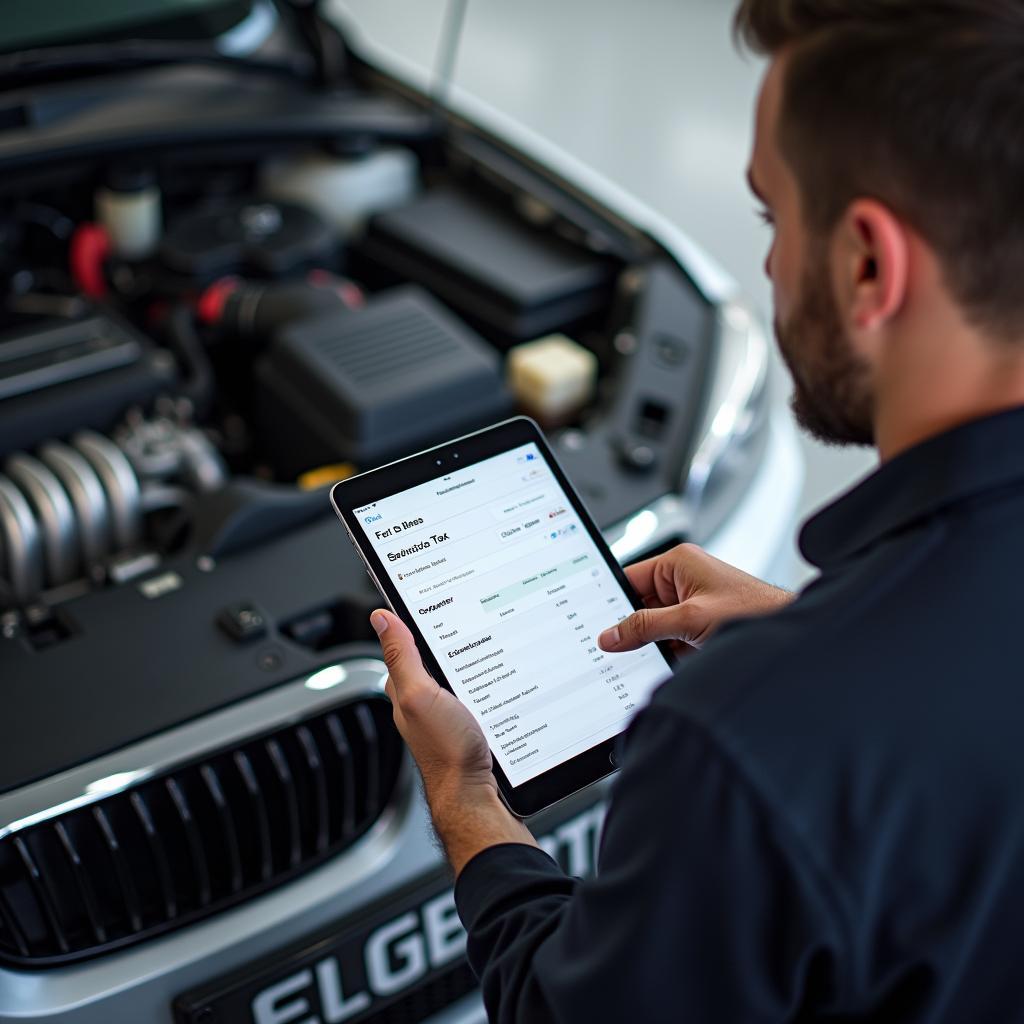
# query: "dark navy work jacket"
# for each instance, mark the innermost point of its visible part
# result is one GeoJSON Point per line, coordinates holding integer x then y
{"type": "Point", "coordinates": [821, 816]}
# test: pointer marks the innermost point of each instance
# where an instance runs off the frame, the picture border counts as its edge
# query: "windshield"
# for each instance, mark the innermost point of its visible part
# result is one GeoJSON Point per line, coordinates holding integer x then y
{"type": "Point", "coordinates": [56, 22]}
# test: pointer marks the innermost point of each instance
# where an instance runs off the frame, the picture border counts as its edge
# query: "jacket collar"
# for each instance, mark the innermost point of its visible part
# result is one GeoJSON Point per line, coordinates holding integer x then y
{"type": "Point", "coordinates": [942, 471]}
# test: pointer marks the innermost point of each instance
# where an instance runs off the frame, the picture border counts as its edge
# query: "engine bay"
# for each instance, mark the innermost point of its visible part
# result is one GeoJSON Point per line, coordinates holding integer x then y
{"type": "Point", "coordinates": [198, 335]}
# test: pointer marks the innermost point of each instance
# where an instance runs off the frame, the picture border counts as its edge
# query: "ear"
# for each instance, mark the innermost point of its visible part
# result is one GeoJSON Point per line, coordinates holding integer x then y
{"type": "Point", "coordinates": [871, 259]}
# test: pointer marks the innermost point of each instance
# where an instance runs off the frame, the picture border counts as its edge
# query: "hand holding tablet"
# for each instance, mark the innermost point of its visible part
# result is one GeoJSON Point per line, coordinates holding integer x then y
{"type": "Point", "coordinates": [450, 749]}
{"type": "Point", "coordinates": [484, 550]}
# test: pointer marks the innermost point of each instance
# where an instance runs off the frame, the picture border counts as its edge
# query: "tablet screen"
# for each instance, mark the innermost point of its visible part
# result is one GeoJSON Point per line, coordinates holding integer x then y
{"type": "Point", "coordinates": [510, 592]}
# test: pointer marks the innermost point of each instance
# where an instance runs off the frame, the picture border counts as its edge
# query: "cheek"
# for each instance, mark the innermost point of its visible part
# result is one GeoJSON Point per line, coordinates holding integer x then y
{"type": "Point", "coordinates": [769, 260]}
{"type": "Point", "coordinates": [773, 268]}
{"type": "Point", "coordinates": [781, 268]}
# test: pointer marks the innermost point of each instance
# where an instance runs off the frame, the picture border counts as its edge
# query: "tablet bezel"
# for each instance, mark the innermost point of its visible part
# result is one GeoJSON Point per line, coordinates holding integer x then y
{"type": "Point", "coordinates": [579, 771]}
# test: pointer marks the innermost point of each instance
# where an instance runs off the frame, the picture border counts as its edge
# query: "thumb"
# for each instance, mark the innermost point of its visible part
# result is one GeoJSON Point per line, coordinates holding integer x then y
{"type": "Point", "coordinates": [647, 625]}
{"type": "Point", "coordinates": [400, 653]}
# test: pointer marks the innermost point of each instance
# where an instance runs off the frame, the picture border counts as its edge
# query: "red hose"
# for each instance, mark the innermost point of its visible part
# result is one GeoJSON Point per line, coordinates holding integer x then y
{"type": "Point", "coordinates": [88, 251]}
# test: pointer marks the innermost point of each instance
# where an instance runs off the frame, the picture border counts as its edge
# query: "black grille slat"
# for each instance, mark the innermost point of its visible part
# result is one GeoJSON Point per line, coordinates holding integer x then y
{"type": "Point", "coordinates": [41, 890]}
{"type": "Point", "coordinates": [346, 772]}
{"type": "Point", "coordinates": [200, 867]}
{"type": "Point", "coordinates": [367, 732]}
{"type": "Point", "coordinates": [85, 889]}
{"type": "Point", "coordinates": [258, 807]}
{"type": "Point", "coordinates": [179, 845]}
{"type": "Point", "coordinates": [13, 928]}
{"type": "Point", "coordinates": [315, 765]}
{"type": "Point", "coordinates": [121, 869]}
{"type": "Point", "coordinates": [286, 781]}
{"type": "Point", "coordinates": [230, 834]}
{"type": "Point", "coordinates": [163, 870]}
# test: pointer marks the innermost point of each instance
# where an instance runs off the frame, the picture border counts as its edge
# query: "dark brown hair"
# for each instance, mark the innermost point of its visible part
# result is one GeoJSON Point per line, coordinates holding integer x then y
{"type": "Point", "coordinates": [919, 104]}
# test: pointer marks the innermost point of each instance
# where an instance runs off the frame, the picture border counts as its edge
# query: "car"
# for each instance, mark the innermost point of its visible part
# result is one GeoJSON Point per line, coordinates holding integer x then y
{"type": "Point", "coordinates": [243, 259]}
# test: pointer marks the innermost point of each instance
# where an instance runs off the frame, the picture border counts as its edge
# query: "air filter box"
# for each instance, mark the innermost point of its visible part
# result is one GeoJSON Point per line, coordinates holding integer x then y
{"type": "Point", "coordinates": [488, 264]}
{"type": "Point", "coordinates": [375, 383]}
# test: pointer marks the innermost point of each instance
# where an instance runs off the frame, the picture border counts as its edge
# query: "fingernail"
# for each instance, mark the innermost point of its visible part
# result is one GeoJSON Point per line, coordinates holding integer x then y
{"type": "Point", "coordinates": [610, 637]}
{"type": "Point", "coordinates": [379, 622]}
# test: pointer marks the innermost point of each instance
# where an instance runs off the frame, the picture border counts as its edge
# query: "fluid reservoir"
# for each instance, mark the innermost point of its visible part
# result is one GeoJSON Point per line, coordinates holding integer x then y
{"type": "Point", "coordinates": [128, 206]}
{"type": "Point", "coordinates": [345, 191]}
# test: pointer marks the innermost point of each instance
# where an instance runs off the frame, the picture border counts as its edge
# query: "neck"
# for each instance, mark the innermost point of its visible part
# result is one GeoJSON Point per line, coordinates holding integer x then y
{"type": "Point", "coordinates": [949, 385]}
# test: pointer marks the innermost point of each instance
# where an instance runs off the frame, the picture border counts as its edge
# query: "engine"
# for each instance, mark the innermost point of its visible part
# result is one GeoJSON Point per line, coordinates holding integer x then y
{"type": "Point", "coordinates": [190, 354]}
{"type": "Point", "coordinates": [158, 346]}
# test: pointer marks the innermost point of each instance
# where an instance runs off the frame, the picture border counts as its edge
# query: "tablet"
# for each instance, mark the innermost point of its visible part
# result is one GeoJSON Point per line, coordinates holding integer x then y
{"type": "Point", "coordinates": [484, 549]}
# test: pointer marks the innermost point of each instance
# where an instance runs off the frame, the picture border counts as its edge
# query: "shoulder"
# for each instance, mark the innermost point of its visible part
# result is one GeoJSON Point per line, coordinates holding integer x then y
{"type": "Point", "coordinates": [826, 658]}
{"type": "Point", "coordinates": [746, 658]}
{"type": "Point", "coordinates": [805, 689]}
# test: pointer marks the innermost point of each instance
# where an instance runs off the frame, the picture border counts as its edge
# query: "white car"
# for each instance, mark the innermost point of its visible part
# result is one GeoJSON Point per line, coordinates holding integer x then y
{"type": "Point", "coordinates": [241, 261]}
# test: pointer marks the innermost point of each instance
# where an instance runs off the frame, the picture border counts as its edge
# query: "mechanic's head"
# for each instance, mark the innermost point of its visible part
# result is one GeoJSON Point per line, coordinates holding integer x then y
{"type": "Point", "coordinates": [889, 154]}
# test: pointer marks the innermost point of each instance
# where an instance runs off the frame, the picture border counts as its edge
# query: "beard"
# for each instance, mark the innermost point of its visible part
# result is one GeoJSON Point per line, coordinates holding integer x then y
{"type": "Point", "coordinates": [832, 397]}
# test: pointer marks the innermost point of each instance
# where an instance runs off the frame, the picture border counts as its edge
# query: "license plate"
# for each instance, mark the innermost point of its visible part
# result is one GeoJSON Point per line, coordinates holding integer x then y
{"type": "Point", "coordinates": [408, 948]}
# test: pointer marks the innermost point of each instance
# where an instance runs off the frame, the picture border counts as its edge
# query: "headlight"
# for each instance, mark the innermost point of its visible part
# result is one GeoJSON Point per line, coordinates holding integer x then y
{"type": "Point", "coordinates": [734, 429]}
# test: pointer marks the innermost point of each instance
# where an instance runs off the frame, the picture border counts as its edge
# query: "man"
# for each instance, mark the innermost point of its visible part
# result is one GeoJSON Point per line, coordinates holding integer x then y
{"type": "Point", "coordinates": [821, 816]}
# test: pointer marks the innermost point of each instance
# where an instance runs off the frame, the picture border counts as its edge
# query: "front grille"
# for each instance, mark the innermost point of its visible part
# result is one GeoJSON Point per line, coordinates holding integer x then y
{"type": "Point", "coordinates": [192, 841]}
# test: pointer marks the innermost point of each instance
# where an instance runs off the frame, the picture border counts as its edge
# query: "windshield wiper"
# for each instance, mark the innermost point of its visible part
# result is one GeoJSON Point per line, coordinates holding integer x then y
{"type": "Point", "coordinates": [60, 63]}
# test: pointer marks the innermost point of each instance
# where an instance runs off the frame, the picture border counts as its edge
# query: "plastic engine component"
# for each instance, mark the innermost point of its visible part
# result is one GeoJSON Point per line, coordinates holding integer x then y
{"type": "Point", "coordinates": [249, 236]}
{"type": "Point", "coordinates": [345, 191]}
{"type": "Point", "coordinates": [552, 377]}
{"type": "Point", "coordinates": [59, 376]}
{"type": "Point", "coordinates": [369, 384]}
{"type": "Point", "coordinates": [488, 264]}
